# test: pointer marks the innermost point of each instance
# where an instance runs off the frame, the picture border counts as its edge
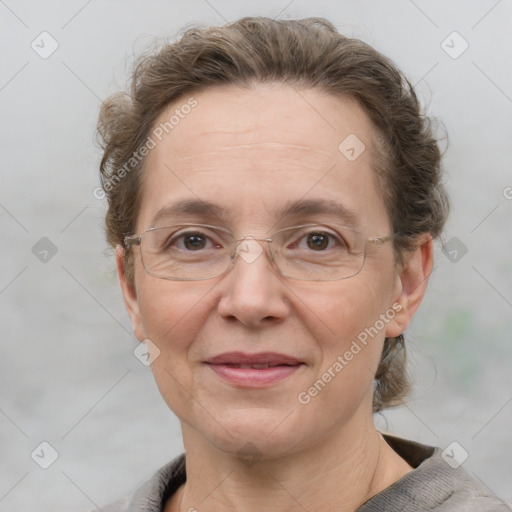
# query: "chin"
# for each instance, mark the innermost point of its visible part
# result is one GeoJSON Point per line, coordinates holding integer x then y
{"type": "Point", "coordinates": [253, 432]}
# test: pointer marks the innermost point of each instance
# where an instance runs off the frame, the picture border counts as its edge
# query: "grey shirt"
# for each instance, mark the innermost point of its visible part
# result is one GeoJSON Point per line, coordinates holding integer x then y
{"type": "Point", "coordinates": [432, 486]}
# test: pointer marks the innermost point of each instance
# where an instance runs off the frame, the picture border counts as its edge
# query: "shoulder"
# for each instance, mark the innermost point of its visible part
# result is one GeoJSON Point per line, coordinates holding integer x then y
{"type": "Point", "coordinates": [433, 485]}
{"type": "Point", "coordinates": [152, 494]}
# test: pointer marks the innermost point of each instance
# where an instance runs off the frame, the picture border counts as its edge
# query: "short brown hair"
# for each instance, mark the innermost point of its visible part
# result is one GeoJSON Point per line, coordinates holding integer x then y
{"type": "Point", "coordinates": [308, 53]}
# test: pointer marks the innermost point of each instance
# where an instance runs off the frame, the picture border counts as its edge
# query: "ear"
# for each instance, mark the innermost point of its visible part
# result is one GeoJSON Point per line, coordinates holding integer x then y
{"type": "Point", "coordinates": [412, 280]}
{"type": "Point", "coordinates": [129, 296]}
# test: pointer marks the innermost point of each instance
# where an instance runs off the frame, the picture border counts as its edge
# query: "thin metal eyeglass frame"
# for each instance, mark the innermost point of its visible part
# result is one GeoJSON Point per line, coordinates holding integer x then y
{"type": "Point", "coordinates": [130, 241]}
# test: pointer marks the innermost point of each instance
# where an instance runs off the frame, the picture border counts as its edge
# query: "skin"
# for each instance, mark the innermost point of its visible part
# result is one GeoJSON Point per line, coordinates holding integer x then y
{"type": "Point", "coordinates": [251, 150]}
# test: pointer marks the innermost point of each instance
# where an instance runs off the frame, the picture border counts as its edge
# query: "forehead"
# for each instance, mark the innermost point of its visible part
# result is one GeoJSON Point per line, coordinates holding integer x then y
{"type": "Point", "coordinates": [265, 113]}
{"type": "Point", "coordinates": [248, 149]}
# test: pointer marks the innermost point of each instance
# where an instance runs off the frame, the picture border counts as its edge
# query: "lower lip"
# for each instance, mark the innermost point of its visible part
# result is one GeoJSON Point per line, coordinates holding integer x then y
{"type": "Point", "coordinates": [254, 378]}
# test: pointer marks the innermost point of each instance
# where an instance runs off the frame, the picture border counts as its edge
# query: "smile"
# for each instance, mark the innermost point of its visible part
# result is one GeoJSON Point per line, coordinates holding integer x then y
{"type": "Point", "coordinates": [254, 370]}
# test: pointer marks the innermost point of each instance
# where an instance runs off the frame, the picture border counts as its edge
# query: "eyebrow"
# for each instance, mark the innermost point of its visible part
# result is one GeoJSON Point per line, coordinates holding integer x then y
{"type": "Point", "coordinates": [297, 208]}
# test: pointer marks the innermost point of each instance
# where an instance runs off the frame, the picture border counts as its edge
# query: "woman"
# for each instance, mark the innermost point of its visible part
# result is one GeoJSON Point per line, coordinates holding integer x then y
{"type": "Point", "coordinates": [274, 192]}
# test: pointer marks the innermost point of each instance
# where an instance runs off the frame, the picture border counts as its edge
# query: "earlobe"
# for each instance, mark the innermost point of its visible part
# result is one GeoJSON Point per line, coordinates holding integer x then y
{"type": "Point", "coordinates": [411, 285]}
{"type": "Point", "coordinates": [129, 295]}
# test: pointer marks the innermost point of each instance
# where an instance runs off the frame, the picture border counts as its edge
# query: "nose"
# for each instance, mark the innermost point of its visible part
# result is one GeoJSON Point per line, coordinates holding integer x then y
{"type": "Point", "coordinates": [253, 291]}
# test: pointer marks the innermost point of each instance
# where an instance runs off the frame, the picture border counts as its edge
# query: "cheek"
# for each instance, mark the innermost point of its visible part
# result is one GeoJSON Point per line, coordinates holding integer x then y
{"type": "Point", "coordinates": [346, 324]}
{"type": "Point", "coordinates": [339, 313]}
{"type": "Point", "coordinates": [172, 315]}
{"type": "Point", "coordinates": [165, 305]}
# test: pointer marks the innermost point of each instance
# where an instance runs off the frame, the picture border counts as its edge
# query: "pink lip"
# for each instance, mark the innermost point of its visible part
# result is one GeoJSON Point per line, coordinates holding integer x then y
{"type": "Point", "coordinates": [227, 366]}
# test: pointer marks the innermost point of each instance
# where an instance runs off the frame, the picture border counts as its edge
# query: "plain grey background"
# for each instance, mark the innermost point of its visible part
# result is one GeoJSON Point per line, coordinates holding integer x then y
{"type": "Point", "coordinates": [68, 374]}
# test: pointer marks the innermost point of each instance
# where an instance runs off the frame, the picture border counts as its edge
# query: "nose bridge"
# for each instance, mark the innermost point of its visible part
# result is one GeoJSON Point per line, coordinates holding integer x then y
{"type": "Point", "coordinates": [250, 248]}
{"type": "Point", "coordinates": [251, 293]}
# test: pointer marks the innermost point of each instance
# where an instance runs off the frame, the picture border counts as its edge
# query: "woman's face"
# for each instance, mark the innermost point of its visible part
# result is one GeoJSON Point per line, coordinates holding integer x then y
{"type": "Point", "coordinates": [252, 152]}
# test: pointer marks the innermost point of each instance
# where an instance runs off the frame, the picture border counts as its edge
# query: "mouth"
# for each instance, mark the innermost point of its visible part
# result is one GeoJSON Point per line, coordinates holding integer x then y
{"type": "Point", "coordinates": [255, 366]}
{"type": "Point", "coordinates": [254, 370]}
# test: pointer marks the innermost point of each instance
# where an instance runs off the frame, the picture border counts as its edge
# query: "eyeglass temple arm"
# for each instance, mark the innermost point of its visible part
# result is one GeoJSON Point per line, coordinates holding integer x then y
{"type": "Point", "coordinates": [131, 240]}
{"type": "Point", "coordinates": [381, 239]}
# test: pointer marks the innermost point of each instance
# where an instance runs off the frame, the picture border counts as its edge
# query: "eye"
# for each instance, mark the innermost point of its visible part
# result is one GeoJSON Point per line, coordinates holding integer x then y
{"type": "Point", "coordinates": [319, 241]}
{"type": "Point", "coordinates": [193, 241]}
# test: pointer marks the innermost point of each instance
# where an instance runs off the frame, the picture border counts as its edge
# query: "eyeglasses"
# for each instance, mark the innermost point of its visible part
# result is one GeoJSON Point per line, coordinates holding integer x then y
{"type": "Point", "coordinates": [194, 252]}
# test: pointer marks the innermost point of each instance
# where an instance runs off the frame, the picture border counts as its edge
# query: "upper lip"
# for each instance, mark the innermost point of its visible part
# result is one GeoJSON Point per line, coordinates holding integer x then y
{"type": "Point", "coordinates": [270, 358]}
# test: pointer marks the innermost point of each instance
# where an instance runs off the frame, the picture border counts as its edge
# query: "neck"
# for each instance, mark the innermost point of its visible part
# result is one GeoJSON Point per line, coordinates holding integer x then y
{"type": "Point", "coordinates": [340, 475]}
